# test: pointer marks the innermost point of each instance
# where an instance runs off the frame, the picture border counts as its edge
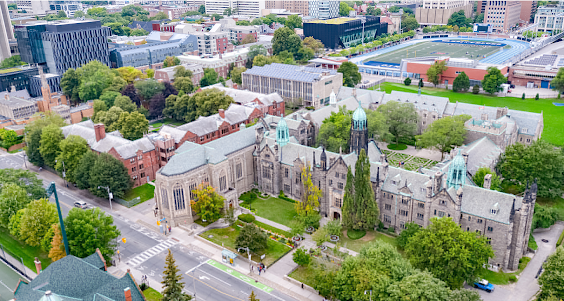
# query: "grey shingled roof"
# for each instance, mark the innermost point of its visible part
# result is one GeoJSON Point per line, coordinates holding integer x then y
{"type": "Point", "coordinates": [191, 155]}
{"type": "Point", "coordinates": [174, 133]}
{"type": "Point", "coordinates": [479, 201]}
{"type": "Point", "coordinates": [245, 96]}
{"type": "Point", "coordinates": [292, 123]}
{"type": "Point", "coordinates": [19, 93]}
{"type": "Point", "coordinates": [481, 153]}
{"type": "Point", "coordinates": [289, 72]}
{"type": "Point", "coordinates": [421, 102]}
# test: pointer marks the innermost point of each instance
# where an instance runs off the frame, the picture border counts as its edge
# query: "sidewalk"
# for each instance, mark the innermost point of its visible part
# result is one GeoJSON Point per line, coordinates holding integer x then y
{"type": "Point", "coordinates": [273, 224]}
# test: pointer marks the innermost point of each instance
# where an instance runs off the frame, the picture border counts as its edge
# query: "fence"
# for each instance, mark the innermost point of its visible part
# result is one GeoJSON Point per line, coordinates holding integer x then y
{"type": "Point", "coordinates": [127, 204]}
{"type": "Point", "coordinates": [9, 259]}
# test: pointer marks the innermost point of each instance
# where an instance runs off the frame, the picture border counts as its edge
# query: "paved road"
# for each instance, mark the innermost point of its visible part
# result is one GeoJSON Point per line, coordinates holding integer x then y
{"type": "Point", "coordinates": [145, 250]}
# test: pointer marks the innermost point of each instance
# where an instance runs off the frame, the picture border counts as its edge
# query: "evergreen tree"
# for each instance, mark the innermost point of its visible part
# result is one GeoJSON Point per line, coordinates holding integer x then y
{"type": "Point", "coordinates": [359, 208]}
{"type": "Point", "coordinates": [172, 281]}
{"type": "Point", "coordinates": [33, 140]}
{"type": "Point", "coordinates": [57, 246]}
{"type": "Point", "coordinates": [82, 171]}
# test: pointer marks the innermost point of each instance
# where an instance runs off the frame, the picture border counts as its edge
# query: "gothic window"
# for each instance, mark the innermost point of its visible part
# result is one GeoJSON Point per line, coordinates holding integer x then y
{"type": "Point", "coordinates": [405, 202]}
{"type": "Point", "coordinates": [179, 203]}
{"type": "Point", "coordinates": [340, 185]}
{"type": "Point", "coordinates": [420, 216]}
{"type": "Point", "coordinates": [239, 170]}
{"type": "Point", "coordinates": [441, 214]}
{"type": "Point", "coordinates": [467, 229]}
{"type": "Point", "coordinates": [337, 175]}
{"type": "Point", "coordinates": [343, 176]}
{"type": "Point", "coordinates": [442, 202]}
{"type": "Point", "coordinates": [192, 187]}
{"type": "Point", "coordinates": [402, 225]}
{"type": "Point", "coordinates": [286, 173]}
{"type": "Point", "coordinates": [489, 241]}
{"type": "Point", "coordinates": [387, 219]}
{"type": "Point", "coordinates": [421, 205]}
{"type": "Point", "coordinates": [494, 211]}
{"type": "Point", "coordinates": [469, 218]}
{"type": "Point", "coordinates": [266, 172]}
{"type": "Point", "coordinates": [403, 212]}
{"type": "Point", "coordinates": [479, 232]}
{"type": "Point", "coordinates": [480, 221]}
{"type": "Point", "coordinates": [388, 207]}
{"type": "Point", "coordinates": [222, 183]}
{"type": "Point", "coordinates": [338, 202]}
{"type": "Point", "coordinates": [286, 188]}
{"type": "Point", "coordinates": [330, 182]}
{"type": "Point", "coordinates": [164, 198]}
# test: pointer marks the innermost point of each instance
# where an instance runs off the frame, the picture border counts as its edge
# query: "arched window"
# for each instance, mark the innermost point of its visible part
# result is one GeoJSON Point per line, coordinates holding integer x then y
{"type": "Point", "coordinates": [178, 192]}
{"type": "Point", "coordinates": [192, 187]}
{"type": "Point", "coordinates": [164, 198]}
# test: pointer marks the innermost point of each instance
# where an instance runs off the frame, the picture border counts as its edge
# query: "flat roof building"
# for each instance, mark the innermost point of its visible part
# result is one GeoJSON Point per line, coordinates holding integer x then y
{"type": "Point", "coordinates": [344, 31]}
{"type": "Point", "coordinates": [17, 108]}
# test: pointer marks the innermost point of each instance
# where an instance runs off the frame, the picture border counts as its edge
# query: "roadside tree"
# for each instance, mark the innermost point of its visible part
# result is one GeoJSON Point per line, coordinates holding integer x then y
{"type": "Point", "coordinates": [38, 217]}
{"type": "Point", "coordinates": [207, 203]}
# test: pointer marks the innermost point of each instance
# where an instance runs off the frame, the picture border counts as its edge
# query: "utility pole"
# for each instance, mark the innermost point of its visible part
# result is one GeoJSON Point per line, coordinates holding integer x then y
{"type": "Point", "coordinates": [52, 190]}
{"type": "Point", "coordinates": [110, 195]}
{"type": "Point", "coordinates": [370, 294]}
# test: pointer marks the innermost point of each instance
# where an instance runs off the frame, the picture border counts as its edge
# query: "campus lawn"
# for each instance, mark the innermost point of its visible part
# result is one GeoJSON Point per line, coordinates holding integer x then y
{"type": "Point", "coordinates": [152, 295]}
{"type": "Point", "coordinates": [306, 275]}
{"type": "Point", "coordinates": [227, 236]}
{"type": "Point", "coordinates": [501, 277]}
{"type": "Point", "coordinates": [20, 250]}
{"type": "Point", "coordinates": [173, 122]}
{"type": "Point", "coordinates": [145, 192]}
{"type": "Point", "coordinates": [272, 229]}
{"type": "Point", "coordinates": [274, 209]}
{"type": "Point", "coordinates": [370, 236]}
{"type": "Point", "coordinates": [552, 115]}
{"type": "Point", "coordinates": [557, 204]}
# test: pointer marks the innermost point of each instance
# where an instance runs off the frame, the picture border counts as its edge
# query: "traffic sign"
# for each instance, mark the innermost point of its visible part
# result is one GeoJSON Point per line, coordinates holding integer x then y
{"type": "Point", "coordinates": [124, 240]}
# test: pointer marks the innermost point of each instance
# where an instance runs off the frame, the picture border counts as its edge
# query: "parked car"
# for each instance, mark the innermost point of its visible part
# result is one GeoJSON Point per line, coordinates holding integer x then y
{"type": "Point", "coordinates": [484, 285]}
{"type": "Point", "coordinates": [81, 204]}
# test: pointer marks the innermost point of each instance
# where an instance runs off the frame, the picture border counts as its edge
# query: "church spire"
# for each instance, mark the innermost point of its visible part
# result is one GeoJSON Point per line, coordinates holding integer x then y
{"type": "Point", "coordinates": [282, 133]}
{"type": "Point", "coordinates": [457, 172]}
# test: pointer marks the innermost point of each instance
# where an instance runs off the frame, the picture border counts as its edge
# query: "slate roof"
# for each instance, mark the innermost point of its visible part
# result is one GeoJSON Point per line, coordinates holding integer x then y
{"type": "Point", "coordinates": [290, 72]}
{"type": "Point", "coordinates": [421, 102]}
{"type": "Point", "coordinates": [479, 201]}
{"type": "Point", "coordinates": [72, 278]}
{"type": "Point", "coordinates": [322, 113]}
{"type": "Point", "coordinates": [191, 155]}
{"type": "Point", "coordinates": [19, 93]}
{"type": "Point", "coordinates": [244, 96]}
{"type": "Point", "coordinates": [290, 121]}
{"type": "Point", "coordinates": [174, 133]}
{"type": "Point", "coordinates": [481, 153]}
{"type": "Point", "coordinates": [125, 148]}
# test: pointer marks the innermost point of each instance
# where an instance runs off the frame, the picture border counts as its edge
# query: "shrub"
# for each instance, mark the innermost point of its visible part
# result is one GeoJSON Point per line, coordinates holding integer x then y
{"type": "Point", "coordinates": [356, 234]}
{"type": "Point", "coordinates": [560, 239]}
{"type": "Point", "coordinates": [320, 236]}
{"type": "Point", "coordinates": [513, 278]}
{"type": "Point", "coordinates": [334, 227]}
{"type": "Point", "coordinates": [523, 96]}
{"type": "Point", "coordinates": [392, 230]}
{"type": "Point", "coordinates": [397, 146]}
{"type": "Point", "coordinates": [476, 89]}
{"type": "Point", "coordinates": [380, 226]}
{"type": "Point", "coordinates": [143, 286]}
{"type": "Point", "coordinates": [537, 96]}
{"type": "Point", "coordinates": [421, 83]}
{"type": "Point", "coordinates": [301, 257]}
{"type": "Point", "coordinates": [247, 218]}
{"type": "Point", "coordinates": [407, 81]}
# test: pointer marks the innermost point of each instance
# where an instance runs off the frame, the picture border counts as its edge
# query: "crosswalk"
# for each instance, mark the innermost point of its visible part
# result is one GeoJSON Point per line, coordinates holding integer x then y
{"type": "Point", "coordinates": [139, 259]}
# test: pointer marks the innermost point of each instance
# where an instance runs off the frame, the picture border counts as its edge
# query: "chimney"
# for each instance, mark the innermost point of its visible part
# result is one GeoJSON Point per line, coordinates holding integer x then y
{"type": "Point", "coordinates": [37, 265]}
{"type": "Point", "coordinates": [100, 131]}
{"type": "Point", "coordinates": [437, 181]}
{"type": "Point", "coordinates": [488, 181]}
{"type": "Point", "coordinates": [127, 293]}
{"type": "Point", "coordinates": [222, 113]}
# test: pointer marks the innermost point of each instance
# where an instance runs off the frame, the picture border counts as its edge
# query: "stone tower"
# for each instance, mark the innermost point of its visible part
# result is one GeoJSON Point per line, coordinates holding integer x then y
{"type": "Point", "coordinates": [282, 133]}
{"type": "Point", "coordinates": [457, 172]}
{"type": "Point", "coordinates": [359, 131]}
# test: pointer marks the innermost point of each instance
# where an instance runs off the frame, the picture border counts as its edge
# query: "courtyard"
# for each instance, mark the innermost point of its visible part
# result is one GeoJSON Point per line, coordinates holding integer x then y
{"type": "Point", "coordinates": [407, 161]}
{"type": "Point", "coordinates": [271, 208]}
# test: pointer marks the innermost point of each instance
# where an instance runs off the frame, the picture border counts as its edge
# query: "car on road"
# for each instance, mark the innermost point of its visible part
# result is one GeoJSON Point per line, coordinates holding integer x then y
{"type": "Point", "coordinates": [81, 204]}
{"type": "Point", "coordinates": [484, 285]}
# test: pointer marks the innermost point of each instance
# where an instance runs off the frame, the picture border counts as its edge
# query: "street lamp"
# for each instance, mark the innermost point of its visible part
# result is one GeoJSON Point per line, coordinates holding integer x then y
{"type": "Point", "coordinates": [52, 190]}
{"type": "Point", "coordinates": [110, 195]}
{"type": "Point", "coordinates": [64, 173]}
{"type": "Point", "coordinates": [370, 294]}
{"type": "Point", "coordinates": [249, 253]}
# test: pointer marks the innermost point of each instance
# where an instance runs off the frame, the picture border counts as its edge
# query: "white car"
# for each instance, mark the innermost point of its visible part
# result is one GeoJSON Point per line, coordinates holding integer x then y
{"type": "Point", "coordinates": [81, 204]}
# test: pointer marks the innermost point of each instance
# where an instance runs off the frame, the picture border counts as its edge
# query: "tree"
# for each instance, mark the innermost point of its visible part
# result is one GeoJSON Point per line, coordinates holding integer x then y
{"type": "Point", "coordinates": [33, 140]}
{"type": "Point", "coordinates": [48, 238]}
{"type": "Point", "coordinates": [253, 297]}
{"type": "Point", "coordinates": [314, 44]}
{"type": "Point", "coordinates": [150, 73]}
{"type": "Point", "coordinates": [206, 103]}
{"type": "Point", "coordinates": [117, 85]}
{"type": "Point", "coordinates": [401, 118]}
{"type": "Point", "coordinates": [99, 106]}
{"type": "Point", "coordinates": [344, 9]}
{"type": "Point", "coordinates": [138, 32]}
{"type": "Point", "coordinates": [407, 81]}
{"type": "Point", "coordinates": [94, 78]}
{"type": "Point", "coordinates": [11, 62]}
{"type": "Point", "coordinates": [72, 150]}
{"type": "Point", "coordinates": [248, 39]}
{"type": "Point", "coordinates": [251, 237]}
{"type": "Point", "coordinates": [444, 134]}
{"type": "Point", "coordinates": [109, 172]}
{"type": "Point", "coordinates": [492, 80]}
{"type": "Point", "coordinates": [459, 19]}
{"type": "Point", "coordinates": [12, 199]}
{"type": "Point", "coordinates": [255, 50]}
{"type": "Point", "coordinates": [475, 89]}
{"type": "Point", "coordinates": [334, 133]}
{"type": "Point", "coordinates": [286, 40]}
{"type": "Point", "coordinates": [183, 84]}
{"type": "Point", "coordinates": [202, 9]}
{"type": "Point", "coordinates": [311, 195]}
{"type": "Point", "coordinates": [131, 92]}
{"type": "Point", "coordinates": [544, 217]}
{"type": "Point", "coordinates": [294, 21]}
{"type": "Point", "coordinates": [522, 164]}
{"type": "Point", "coordinates": [557, 82]}
{"type": "Point", "coordinates": [256, 21]}
{"type": "Point", "coordinates": [216, 17]}
{"type": "Point", "coordinates": [236, 75]}
{"type": "Point", "coordinates": [70, 84]}
{"type": "Point", "coordinates": [132, 125]}
{"type": "Point", "coordinates": [148, 88]}
{"type": "Point", "coordinates": [23, 178]}
{"type": "Point", "coordinates": [304, 55]}
{"type": "Point", "coordinates": [160, 16]}
{"type": "Point", "coordinates": [449, 253]}
{"type": "Point", "coordinates": [301, 257]}
{"type": "Point", "coordinates": [407, 233]}
{"type": "Point", "coordinates": [157, 105]}
{"type": "Point", "coordinates": [171, 61]}
{"type": "Point", "coordinates": [360, 211]}
{"type": "Point", "coordinates": [261, 60]}
{"type": "Point", "coordinates": [553, 277]}
{"type": "Point", "coordinates": [461, 82]}
{"type": "Point", "coordinates": [210, 77]}
{"type": "Point", "coordinates": [82, 170]}
{"type": "Point", "coordinates": [207, 203]}
{"type": "Point", "coordinates": [36, 221]}
{"type": "Point", "coordinates": [15, 223]}
{"type": "Point", "coordinates": [351, 76]}
{"type": "Point", "coordinates": [172, 281]}
{"type": "Point", "coordinates": [435, 71]}
{"type": "Point", "coordinates": [479, 18]}
{"type": "Point", "coordinates": [481, 173]}
{"type": "Point", "coordinates": [409, 23]}
{"type": "Point", "coordinates": [181, 71]}
{"type": "Point", "coordinates": [243, 23]}
{"type": "Point", "coordinates": [169, 90]}
{"type": "Point", "coordinates": [49, 148]}
{"type": "Point", "coordinates": [109, 118]}
{"type": "Point", "coordinates": [97, 12]}
{"type": "Point", "coordinates": [419, 286]}
{"type": "Point", "coordinates": [130, 74]}
{"type": "Point", "coordinates": [108, 97]}
{"type": "Point", "coordinates": [125, 103]}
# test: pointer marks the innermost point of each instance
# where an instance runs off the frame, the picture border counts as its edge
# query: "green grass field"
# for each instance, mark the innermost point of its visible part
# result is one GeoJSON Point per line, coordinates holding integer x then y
{"type": "Point", "coordinates": [501, 277]}
{"type": "Point", "coordinates": [274, 209]}
{"type": "Point", "coordinates": [553, 130]}
{"type": "Point", "coordinates": [145, 192]}
{"type": "Point", "coordinates": [20, 250]}
{"type": "Point", "coordinates": [152, 295]}
{"type": "Point", "coordinates": [435, 49]}
{"type": "Point", "coordinates": [370, 236]}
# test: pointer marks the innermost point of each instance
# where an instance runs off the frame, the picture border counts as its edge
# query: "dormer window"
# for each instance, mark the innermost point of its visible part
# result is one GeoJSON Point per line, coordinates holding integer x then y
{"type": "Point", "coordinates": [393, 182]}
{"type": "Point", "coordinates": [523, 130]}
{"type": "Point", "coordinates": [494, 211]}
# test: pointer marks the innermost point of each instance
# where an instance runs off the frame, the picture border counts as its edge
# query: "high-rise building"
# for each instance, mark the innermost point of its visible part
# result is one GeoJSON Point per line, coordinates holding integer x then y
{"type": "Point", "coordinates": [36, 7]}
{"type": "Point", "coordinates": [502, 15]}
{"type": "Point", "coordinates": [251, 8]}
{"type": "Point", "coordinates": [434, 12]}
{"type": "Point", "coordinates": [63, 44]}
{"type": "Point", "coordinates": [550, 17]}
{"type": "Point", "coordinates": [319, 9]}
{"type": "Point", "coordinates": [528, 9]}
{"type": "Point", "coordinates": [68, 6]}
{"type": "Point", "coordinates": [6, 32]}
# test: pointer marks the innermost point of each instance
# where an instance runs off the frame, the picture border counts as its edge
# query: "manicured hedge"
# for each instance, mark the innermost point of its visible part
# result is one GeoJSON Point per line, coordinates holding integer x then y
{"type": "Point", "coordinates": [247, 218]}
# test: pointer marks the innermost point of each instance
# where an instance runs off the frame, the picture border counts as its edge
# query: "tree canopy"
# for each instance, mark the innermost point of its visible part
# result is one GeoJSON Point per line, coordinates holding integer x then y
{"type": "Point", "coordinates": [12, 199]}
{"type": "Point", "coordinates": [37, 220]}
{"type": "Point", "coordinates": [461, 82]}
{"type": "Point", "coordinates": [435, 71]}
{"type": "Point", "coordinates": [444, 134]}
{"type": "Point", "coordinates": [72, 150]}
{"type": "Point", "coordinates": [203, 103]}
{"type": "Point", "coordinates": [481, 173]}
{"type": "Point", "coordinates": [311, 195]}
{"type": "Point", "coordinates": [401, 118]}
{"type": "Point", "coordinates": [553, 276]}
{"type": "Point", "coordinates": [207, 203]}
{"type": "Point", "coordinates": [522, 164]}
{"type": "Point", "coordinates": [557, 82]}
{"type": "Point", "coordinates": [459, 19]}
{"type": "Point", "coordinates": [108, 171]}
{"type": "Point", "coordinates": [351, 76]}
{"type": "Point", "coordinates": [285, 39]}
{"type": "Point", "coordinates": [172, 281]}
{"type": "Point", "coordinates": [251, 237]}
{"type": "Point", "coordinates": [492, 80]}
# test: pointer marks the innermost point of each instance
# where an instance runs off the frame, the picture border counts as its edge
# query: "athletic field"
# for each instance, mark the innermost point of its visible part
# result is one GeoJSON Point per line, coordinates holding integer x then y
{"type": "Point", "coordinates": [460, 49]}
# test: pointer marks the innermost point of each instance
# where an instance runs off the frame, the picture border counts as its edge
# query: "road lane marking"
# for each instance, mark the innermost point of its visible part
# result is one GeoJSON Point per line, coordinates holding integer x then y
{"type": "Point", "coordinates": [144, 256]}
{"type": "Point", "coordinates": [215, 289]}
{"type": "Point", "coordinates": [190, 270]}
{"type": "Point", "coordinates": [213, 277]}
{"type": "Point", "coordinates": [239, 276]}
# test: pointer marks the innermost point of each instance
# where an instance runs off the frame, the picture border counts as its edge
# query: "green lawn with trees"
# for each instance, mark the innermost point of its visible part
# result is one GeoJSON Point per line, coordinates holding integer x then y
{"type": "Point", "coordinates": [370, 237]}
{"type": "Point", "coordinates": [552, 115]}
{"type": "Point", "coordinates": [19, 250]}
{"type": "Point", "coordinates": [145, 192]}
{"type": "Point", "coordinates": [274, 209]}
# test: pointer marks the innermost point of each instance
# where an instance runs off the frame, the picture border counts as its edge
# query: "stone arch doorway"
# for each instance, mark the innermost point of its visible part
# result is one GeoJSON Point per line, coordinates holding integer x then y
{"type": "Point", "coordinates": [336, 216]}
{"type": "Point", "coordinates": [230, 204]}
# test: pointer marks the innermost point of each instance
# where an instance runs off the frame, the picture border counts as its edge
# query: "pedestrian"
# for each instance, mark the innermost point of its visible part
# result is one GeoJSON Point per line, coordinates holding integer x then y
{"type": "Point", "coordinates": [259, 270]}
{"type": "Point", "coordinates": [169, 228]}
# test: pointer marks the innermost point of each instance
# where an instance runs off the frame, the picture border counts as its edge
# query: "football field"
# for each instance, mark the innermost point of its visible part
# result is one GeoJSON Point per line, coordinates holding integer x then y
{"type": "Point", "coordinates": [472, 50]}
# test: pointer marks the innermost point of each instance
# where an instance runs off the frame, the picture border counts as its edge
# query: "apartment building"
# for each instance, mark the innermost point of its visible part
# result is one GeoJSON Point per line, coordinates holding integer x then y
{"type": "Point", "coordinates": [252, 8]}
{"type": "Point", "coordinates": [238, 33]}
{"type": "Point", "coordinates": [435, 12]}
{"type": "Point", "coordinates": [528, 9]}
{"type": "Point", "coordinates": [13, 107]}
{"type": "Point", "coordinates": [550, 17]}
{"type": "Point", "coordinates": [312, 86]}
{"type": "Point", "coordinates": [503, 15]}
{"type": "Point", "coordinates": [319, 9]}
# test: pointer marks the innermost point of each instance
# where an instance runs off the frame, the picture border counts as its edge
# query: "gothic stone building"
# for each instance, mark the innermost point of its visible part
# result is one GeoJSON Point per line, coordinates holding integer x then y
{"type": "Point", "coordinates": [272, 160]}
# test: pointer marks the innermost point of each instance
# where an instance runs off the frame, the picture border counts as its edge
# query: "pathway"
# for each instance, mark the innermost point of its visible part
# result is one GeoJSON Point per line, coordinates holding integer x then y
{"type": "Point", "coordinates": [273, 224]}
